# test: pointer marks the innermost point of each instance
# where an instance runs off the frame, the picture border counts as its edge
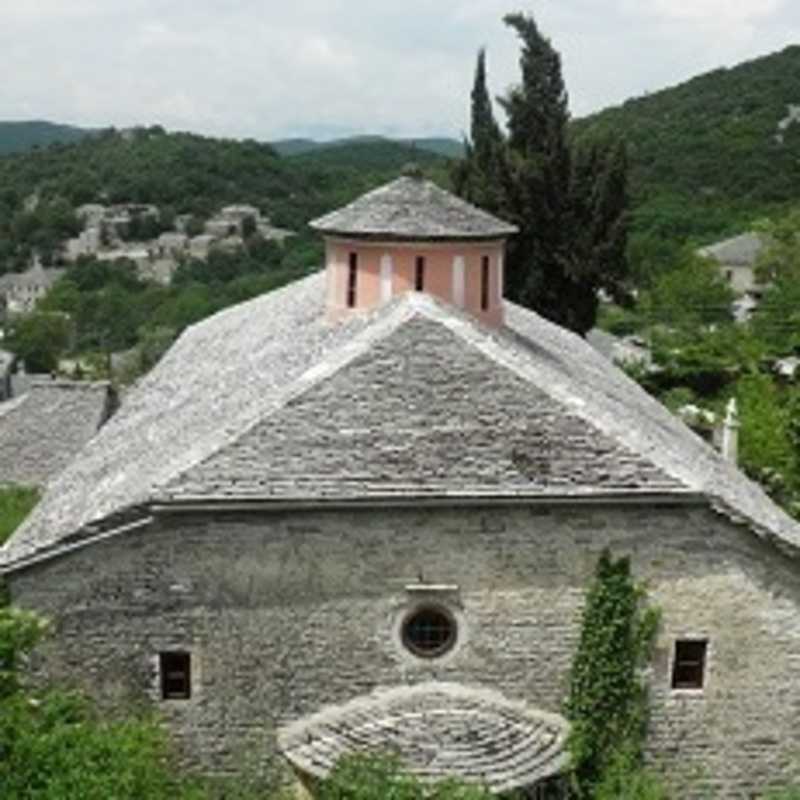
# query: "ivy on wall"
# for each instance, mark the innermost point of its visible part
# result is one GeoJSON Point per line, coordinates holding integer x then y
{"type": "Point", "coordinates": [607, 702]}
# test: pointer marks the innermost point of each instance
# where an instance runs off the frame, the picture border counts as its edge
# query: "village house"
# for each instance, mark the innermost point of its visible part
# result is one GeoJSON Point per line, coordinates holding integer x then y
{"type": "Point", "coordinates": [363, 511]}
{"type": "Point", "coordinates": [736, 259]}
{"type": "Point", "coordinates": [42, 430]}
{"type": "Point", "coordinates": [20, 291]}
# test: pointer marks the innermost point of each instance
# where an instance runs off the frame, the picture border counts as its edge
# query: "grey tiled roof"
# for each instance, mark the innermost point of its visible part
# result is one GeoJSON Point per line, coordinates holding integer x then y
{"type": "Point", "coordinates": [412, 208]}
{"type": "Point", "coordinates": [438, 730]}
{"type": "Point", "coordinates": [267, 400]}
{"type": "Point", "coordinates": [44, 429]}
{"type": "Point", "coordinates": [741, 251]}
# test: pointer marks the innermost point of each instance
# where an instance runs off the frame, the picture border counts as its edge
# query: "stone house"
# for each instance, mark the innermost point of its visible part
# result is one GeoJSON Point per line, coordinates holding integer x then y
{"type": "Point", "coordinates": [42, 430]}
{"type": "Point", "coordinates": [22, 290]}
{"type": "Point", "coordinates": [376, 521]}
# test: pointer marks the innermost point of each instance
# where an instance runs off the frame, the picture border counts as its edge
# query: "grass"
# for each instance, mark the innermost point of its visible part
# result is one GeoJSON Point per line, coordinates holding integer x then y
{"type": "Point", "coordinates": [16, 503]}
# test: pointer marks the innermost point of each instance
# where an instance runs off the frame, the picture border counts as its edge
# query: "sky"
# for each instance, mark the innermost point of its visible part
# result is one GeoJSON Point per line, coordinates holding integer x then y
{"type": "Point", "coordinates": [325, 68]}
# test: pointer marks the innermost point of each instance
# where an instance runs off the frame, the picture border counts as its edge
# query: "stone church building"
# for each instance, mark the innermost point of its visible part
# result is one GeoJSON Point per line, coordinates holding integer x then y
{"type": "Point", "coordinates": [363, 510]}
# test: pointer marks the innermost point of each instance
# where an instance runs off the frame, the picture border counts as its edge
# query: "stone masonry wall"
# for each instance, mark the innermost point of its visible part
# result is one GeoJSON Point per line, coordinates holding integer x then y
{"type": "Point", "coordinates": [286, 613]}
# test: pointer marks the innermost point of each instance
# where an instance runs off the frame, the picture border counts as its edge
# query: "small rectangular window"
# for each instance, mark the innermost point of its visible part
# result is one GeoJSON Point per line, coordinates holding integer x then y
{"type": "Point", "coordinates": [419, 274]}
{"type": "Point", "coordinates": [689, 666]}
{"type": "Point", "coordinates": [485, 283]}
{"type": "Point", "coordinates": [352, 280]}
{"type": "Point", "coordinates": [176, 675]}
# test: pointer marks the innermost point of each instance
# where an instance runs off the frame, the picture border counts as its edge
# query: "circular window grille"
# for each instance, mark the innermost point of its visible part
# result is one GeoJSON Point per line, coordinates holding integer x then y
{"type": "Point", "coordinates": [429, 632]}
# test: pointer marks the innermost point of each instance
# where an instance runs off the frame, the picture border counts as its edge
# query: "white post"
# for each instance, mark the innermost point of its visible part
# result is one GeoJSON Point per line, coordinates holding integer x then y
{"type": "Point", "coordinates": [730, 433]}
{"type": "Point", "coordinates": [386, 278]}
{"type": "Point", "coordinates": [458, 281]}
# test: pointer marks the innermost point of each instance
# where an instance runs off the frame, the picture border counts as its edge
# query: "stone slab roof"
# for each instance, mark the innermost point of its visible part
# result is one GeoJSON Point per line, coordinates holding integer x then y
{"type": "Point", "coordinates": [438, 731]}
{"type": "Point", "coordinates": [44, 429]}
{"type": "Point", "coordinates": [238, 407]}
{"type": "Point", "coordinates": [738, 251]}
{"type": "Point", "coordinates": [413, 209]}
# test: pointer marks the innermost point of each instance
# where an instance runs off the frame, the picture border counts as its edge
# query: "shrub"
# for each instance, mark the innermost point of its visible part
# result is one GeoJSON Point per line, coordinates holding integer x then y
{"type": "Point", "coordinates": [16, 502]}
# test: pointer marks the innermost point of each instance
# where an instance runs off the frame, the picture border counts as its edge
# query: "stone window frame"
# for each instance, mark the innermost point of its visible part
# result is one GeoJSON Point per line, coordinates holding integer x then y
{"type": "Point", "coordinates": [195, 675]}
{"type": "Point", "coordinates": [687, 690]}
{"type": "Point", "coordinates": [435, 653]}
{"type": "Point", "coordinates": [439, 596]}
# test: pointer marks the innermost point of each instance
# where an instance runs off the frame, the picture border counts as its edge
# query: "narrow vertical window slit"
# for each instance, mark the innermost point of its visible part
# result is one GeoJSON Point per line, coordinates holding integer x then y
{"type": "Point", "coordinates": [352, 280]}
{"type": "Point", "coordinates": [485, 283]}
{"type": "Point", "coordinates": [419, 274]}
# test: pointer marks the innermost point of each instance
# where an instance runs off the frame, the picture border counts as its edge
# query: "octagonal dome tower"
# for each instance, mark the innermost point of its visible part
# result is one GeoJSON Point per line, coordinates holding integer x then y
{"type": "Point", "coordinates": [411, 235]}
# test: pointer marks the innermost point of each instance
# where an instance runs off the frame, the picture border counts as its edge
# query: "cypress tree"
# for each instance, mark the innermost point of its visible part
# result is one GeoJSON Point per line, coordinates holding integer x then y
{"type": "Point", "coordinates": [479, 176]}
{"type": "Point", "coordinates": [569, 206]}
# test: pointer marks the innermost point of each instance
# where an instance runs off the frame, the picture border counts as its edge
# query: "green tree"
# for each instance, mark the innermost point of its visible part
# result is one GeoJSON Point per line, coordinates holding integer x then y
{"type": "Point", "coordinates": [569, 204]}
{"type": "Point", "coordinates": [40, 339]}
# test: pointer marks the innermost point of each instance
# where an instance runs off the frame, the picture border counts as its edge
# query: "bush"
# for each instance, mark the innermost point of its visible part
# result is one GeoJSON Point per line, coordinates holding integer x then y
{"type": "Point", "coordinates": [16, 502]}
{"type": "Point", "coordinates": [370, 777]}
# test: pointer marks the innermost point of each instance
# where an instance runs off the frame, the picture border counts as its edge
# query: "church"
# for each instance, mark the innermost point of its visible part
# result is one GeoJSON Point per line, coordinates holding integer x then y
{"type": "Point", "coordinates": [362, 511]}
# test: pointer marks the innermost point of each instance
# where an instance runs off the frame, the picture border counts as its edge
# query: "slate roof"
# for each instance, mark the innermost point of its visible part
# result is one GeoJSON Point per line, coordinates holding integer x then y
{"type": "Point", "coordinates": [416, 209]}
{"type": "Point", "coordinates": [267, 400]}
{"type": "Point", "coordinates": [438, 730]}
{"type": "Point", "coordinates": [43, 430]}
{"type": "Point", "coordinates": [738, 251]}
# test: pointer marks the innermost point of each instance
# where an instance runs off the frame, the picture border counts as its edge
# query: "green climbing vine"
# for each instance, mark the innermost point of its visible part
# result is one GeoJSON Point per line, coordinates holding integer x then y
{"type": "Point", "coordinates": [607, 702]}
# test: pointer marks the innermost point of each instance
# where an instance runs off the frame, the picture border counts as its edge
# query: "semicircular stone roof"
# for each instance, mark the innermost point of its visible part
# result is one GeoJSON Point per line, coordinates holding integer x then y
{"type": "Point", "coordinates": [414, 209]}
{"type": "Point", "coordinates": [437, 731]}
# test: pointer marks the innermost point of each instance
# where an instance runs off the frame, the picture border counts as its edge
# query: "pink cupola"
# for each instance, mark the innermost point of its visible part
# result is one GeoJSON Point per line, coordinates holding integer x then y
{"type": "Point", "coordinates": [410, 235]}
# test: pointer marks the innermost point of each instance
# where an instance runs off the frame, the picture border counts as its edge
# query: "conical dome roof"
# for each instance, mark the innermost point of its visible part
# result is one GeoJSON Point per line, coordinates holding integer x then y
{"type": "Point", "coordinates": [413, 208]}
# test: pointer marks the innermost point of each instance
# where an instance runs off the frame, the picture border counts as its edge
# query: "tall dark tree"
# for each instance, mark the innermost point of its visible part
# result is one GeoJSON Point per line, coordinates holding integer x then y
{"type": "Point", "coordinates": [569, 205]}
{"type": "Point", "coordinates": [478, 177]}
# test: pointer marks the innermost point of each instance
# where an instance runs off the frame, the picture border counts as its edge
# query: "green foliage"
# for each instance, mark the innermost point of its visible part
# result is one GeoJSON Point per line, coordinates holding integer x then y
{"type": "Point", "coordinates": [16, 502]}
{"type": "Point", "coordinates": [370, 777]}
{"type": "Point", "coordinates": [570, 204]}
{"type": "Point", "coordinates": [40, 338]}
{"type": "Point", "coordinates": [704, 157]}
{"type": "Point", "coordinates": [625, 779]}
{"type": "Point", "coordinates": [690, 295]}
{"type": "Point", "coordinates": [607, 702]}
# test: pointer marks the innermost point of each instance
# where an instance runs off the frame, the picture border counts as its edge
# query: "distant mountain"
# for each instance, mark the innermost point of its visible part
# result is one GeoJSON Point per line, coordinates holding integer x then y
{"type": "Point", "coordinates": [19, 137]}
{"type": "Point", "coordinates": [713, 153]}
{"type": "Point", "coordinates": [442, 146]}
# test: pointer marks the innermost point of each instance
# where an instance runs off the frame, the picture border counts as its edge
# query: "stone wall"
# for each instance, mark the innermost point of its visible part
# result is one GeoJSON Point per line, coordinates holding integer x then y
{"type": "Point", "coordinates": [285, 613]}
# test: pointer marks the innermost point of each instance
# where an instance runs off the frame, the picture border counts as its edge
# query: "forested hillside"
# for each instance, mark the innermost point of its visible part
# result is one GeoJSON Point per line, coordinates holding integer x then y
{"type": "Point", "coordinates": [708, 156]}
{"type": "Point", "coordinates": [18, 137]}
{"type": "Point", "coordinates": [450, 148]}
{"type": "Point", "coordinates": [181, 173]}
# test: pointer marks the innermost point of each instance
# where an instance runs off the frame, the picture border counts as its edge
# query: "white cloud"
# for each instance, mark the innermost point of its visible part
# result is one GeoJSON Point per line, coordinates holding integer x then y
{"type": "Point", "coordinates": [255, 68]}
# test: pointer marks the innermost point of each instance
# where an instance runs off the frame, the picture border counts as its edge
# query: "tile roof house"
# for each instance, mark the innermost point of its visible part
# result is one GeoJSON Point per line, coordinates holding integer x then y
{"type": "Point", "coordinates": [362, 511]}
{"type": "Point", "coordinates": [42, 430]}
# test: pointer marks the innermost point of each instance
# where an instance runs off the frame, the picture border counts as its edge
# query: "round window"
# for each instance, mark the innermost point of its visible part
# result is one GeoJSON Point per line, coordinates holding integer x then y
{"type": "Point", "coordinates": [429, 631]}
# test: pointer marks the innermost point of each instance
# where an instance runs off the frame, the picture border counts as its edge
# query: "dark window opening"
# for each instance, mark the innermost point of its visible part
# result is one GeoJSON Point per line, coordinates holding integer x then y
{"type": "Point", "coordinates": [688, 669]}
{"type": "Point", "coordinates": [176, 676]}
{"type": "Point", "coordinates": [429, 632]}
{"type": "Point", "coordinates": [352, 280]}
{"type": "Point", "coordinates": [485, 283]}
{"type": "Point", "coordinates": [419, 274]}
